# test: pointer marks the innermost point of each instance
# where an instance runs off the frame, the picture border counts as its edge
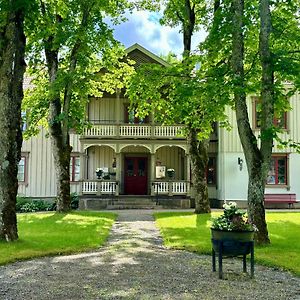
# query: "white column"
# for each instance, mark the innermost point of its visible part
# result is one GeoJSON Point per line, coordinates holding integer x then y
{"type": "Point", "coordinates": [152, 171]}
{"type": "Point", "coordinates": [188, 171]}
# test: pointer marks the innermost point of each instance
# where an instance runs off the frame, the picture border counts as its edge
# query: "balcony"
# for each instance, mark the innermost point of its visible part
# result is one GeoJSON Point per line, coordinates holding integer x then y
{"type": "Point", "coordinates": [134, 131]}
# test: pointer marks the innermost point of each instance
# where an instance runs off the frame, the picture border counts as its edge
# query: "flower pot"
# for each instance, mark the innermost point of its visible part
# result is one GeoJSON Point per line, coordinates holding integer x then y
{"type": "Point", "coordinates": [233, 243]}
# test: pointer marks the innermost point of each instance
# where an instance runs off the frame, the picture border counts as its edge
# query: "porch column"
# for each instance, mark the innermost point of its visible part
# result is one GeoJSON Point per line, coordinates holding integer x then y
{"type": "Point", "coordinates": [118, 172]}
{"type": "Point", "coordinates": [83, 162]}
{"type": "Point", "coordinates": [152, 171]}
{"type": "Point", "coordinates": [188, 173]}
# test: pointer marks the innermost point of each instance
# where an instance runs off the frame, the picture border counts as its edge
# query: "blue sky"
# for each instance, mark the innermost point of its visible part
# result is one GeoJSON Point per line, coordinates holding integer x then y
{"type": "Point", "coordinates": [143, 28]}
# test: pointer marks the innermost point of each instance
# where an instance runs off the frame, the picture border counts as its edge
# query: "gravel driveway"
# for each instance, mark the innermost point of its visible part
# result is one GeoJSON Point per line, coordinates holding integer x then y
{"type": "Point", "coordinates": [135, 265]}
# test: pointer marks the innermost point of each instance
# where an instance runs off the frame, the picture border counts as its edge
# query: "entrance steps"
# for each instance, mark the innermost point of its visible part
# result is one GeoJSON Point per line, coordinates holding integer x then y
{"type": "Point", "coordinates": [131, 202]}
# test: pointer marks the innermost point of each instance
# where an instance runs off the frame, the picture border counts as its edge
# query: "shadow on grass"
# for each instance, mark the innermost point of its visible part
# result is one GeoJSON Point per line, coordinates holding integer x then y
{"type": "Point", "coordinates": [42, 234]}
{"type": "Point", "coordinates": [186, 231]}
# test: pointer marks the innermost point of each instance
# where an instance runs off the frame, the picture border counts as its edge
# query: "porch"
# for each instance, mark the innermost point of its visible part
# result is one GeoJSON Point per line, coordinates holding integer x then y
{"type": "Point", "coordinates": [158, 187]}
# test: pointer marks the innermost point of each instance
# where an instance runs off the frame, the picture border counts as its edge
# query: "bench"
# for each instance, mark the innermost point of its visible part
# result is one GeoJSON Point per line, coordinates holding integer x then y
{"type": "Point", "coordinates": [290, 199]}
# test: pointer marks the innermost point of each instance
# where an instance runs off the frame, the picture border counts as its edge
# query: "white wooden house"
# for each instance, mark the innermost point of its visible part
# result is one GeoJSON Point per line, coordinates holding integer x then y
{"type": "Point", "coordinates": [135, 157]}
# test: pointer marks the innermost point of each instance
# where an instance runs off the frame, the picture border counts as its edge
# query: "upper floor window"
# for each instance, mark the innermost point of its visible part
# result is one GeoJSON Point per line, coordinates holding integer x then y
{"type": "Point", "coordinates": [130, 117]}
{"type": "Point", "coordinates": [279, 120]}
{"type": "Point", "coordinates": [75, 168]}
{"type": "Point", "coordinates": [23, 117]}
{"type": "Point", "coordinates": [277, 174]}
{"type": "Point", "coordinates": [22, 169]}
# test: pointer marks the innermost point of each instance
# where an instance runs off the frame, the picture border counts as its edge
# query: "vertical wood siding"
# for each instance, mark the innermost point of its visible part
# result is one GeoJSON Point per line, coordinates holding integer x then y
{"type": "Point", "coordinates": [172, 158]}
{"type": "Point", "coordinates": [103, 109]}
{"type": "Point", "coordinates": [230, 141]}
{"type": "Point", "coordinates": [40, 167]}
{"type": "Point", "coordinates": [99, 157]}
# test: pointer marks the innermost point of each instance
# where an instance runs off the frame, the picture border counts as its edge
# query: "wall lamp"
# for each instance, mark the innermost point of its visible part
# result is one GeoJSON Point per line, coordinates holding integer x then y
{"type": "Point", "coordinates": [240, 163]}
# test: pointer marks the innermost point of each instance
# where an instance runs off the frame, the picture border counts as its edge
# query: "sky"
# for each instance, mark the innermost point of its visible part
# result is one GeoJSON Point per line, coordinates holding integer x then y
{"type": "Point", "coordinates": [143, 28]}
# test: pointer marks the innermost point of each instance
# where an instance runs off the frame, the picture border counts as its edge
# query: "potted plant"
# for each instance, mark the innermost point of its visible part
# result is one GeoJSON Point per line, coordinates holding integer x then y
{"type": "Point", "coordinates": [99, 173]}
{"type": "Point", "coordinates": [170, 173]}
{"type": "Point", "coordinates": [233, 224]}
{"type": "Point", "coordinates": [232, 235]}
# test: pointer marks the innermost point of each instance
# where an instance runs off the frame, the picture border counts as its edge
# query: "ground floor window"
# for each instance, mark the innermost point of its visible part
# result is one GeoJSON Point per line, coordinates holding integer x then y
{"type": "Point", "coordinates": [277, 174]}
{"type": "Point", "coordinates": [22, 169]}
{"type": "Point", "coordinates": [211, 173]}
{"type": "Point", "coordinates": [75, 168]}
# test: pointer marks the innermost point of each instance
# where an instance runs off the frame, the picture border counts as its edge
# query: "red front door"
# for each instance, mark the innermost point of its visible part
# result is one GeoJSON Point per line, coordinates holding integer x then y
{"type": "Point", "coordinates": [135, 180]}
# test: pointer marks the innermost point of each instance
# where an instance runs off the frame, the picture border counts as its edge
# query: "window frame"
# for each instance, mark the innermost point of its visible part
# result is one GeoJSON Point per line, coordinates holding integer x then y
{"type": "Point", "coordinates": [25, 156]}
{"type": "Point", "coordinates": [72, 168]}
{"type": "Point", "coordinates": [276, 183]}
{"type": "Point", "coordinates": [276, 120]}
{"type": "Point", "coordinates": [214, 171]}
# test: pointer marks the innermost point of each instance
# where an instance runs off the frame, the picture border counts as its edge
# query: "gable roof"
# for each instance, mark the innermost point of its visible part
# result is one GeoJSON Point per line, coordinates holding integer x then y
{"type": "Point", "coordinates": [141, 56]}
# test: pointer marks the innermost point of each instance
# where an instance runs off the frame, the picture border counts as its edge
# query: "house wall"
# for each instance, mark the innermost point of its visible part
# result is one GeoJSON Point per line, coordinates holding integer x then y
{"type": "Point", "coordinates": [232, 183]}
{"type": "Point", "coordinates": [40, 173]}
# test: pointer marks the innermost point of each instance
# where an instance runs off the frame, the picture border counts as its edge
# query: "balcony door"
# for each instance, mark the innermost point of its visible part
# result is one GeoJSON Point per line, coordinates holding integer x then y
{"type": "Point", "coordinates": [136, 179]}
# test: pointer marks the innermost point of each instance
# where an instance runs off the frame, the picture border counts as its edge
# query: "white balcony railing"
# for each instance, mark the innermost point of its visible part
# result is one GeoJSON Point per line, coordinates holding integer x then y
{"type": "Point", "coordinates": [136, 131]}
{"type": "Point", "coordinates": [171, 187]}
{"type": "Point", "coordinates": [99, 187]}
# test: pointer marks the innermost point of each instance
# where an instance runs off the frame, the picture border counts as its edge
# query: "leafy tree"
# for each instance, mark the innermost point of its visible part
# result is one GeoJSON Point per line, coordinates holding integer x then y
{"type": "Point", "coordinates": [262, 49]}
{"type": "Point", "coordinates": [72, 40]}
{"type": "Point", "coordinates": [181, 94]}
{"type": "Point", "coordinates": [12, 67]}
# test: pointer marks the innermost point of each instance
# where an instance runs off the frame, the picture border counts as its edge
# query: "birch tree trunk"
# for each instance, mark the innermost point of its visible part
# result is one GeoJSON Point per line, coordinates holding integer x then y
{"type": "Point", "coordinates": [12, 67]}
{"type": "Point", "coordinates": [60, 141]}
{"type": "Point", "coordinates": [197, 148]}
{"type": "Point", "coordinates": [257, 160]}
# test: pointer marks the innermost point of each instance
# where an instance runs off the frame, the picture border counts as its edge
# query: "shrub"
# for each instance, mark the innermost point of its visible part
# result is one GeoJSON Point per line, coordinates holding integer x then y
{"type": "Point", "coordinates": [74, 201]}
{"type": "Point", "coordinates": [29, 205]}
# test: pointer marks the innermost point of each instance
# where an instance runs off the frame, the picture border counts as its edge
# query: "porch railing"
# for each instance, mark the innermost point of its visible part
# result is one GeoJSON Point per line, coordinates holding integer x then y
{"type": "Point", "coordinates": [171, 187]}
{"type": "Point", "coordinates": [99, 187]}
{"type": "Point", "coordinates": [134, 130]}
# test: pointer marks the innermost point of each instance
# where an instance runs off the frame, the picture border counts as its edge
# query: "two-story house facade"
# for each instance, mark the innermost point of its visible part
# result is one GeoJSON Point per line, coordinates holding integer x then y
{"type": "Point", "coordinates": [121, 155]}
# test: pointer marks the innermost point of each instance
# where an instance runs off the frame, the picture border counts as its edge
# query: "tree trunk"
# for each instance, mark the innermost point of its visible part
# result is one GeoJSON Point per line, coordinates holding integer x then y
{"type": "Point", "coordinates": [199, 159]}
{"type": "Point", "coordinates": [12, 67]}
{"type": "Point", "coordinates": [197, 149]}
{"type": "Point", "coordinates": [255, 161]}
{"type": "Point", "coordinates": [60, 141]}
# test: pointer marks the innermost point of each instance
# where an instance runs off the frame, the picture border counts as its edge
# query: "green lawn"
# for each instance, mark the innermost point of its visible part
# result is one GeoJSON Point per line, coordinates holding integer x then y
{"type": "Point", "coordinates": [192, 232]}
{"type": "Point", "coordinates": [42, 234]}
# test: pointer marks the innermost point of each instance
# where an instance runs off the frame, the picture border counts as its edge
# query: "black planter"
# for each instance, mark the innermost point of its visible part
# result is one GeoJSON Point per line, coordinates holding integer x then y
{"type": "Point", "coordinates": [231, 244]}
{"type": "Point", "coordinates": [234, 243]}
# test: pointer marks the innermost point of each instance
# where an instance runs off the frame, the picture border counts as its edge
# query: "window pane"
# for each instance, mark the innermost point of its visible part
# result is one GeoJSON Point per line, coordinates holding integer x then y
{"type": "Point", "coordinates": [21, 169]}
{"type": "Point", "coordinates": [271, 173]}
{"type": "Point", "coordinates": [281, 170]}
{"type": "Point", "coordinates": [77, 169]}
{"type": "Point", "coordinates": [141, 167]}
{"type": "Point", "coordinates": [211, 170]}
{"type": "Point", "coordinates": [130, 167]}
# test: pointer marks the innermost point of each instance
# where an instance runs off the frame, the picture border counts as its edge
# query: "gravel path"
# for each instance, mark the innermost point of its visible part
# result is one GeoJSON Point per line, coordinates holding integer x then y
{"type": "Point", "coordinates": [135, 265]}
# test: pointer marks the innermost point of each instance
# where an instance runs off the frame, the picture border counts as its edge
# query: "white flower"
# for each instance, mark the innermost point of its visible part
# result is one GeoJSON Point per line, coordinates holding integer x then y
{"type": "Point", "coordinates": [170, 170]}
{"type": "Point", "coordinates": [98, 169]}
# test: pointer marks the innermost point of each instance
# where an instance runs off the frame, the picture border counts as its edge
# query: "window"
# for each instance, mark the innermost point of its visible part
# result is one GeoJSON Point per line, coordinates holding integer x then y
{"type": "Point", "coordinates": [211, 174]}
{"type": "Point", "coordinates": [277, 174]}
{"type": "Point", "coordinates": [22, 169]}
{"type": "Point", "coordinates": [24, 124]}
{"type": "Point", "coordinates": [75, 168]}
{"type": "Point", "coordinates": [278, 121]}
{"type": "Point", "coordinates": [131, 118]}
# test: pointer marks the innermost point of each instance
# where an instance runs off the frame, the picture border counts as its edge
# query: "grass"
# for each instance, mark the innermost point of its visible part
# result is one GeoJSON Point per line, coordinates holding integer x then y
{"type": "Point", "coordinates": [42, 234]}
{"type": "Point", "coordinates": [192, 232]}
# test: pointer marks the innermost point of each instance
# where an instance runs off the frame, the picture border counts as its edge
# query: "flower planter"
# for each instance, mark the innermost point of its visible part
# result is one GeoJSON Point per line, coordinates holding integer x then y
{"type": "Point", "coordinates": [234, 243]}
{"type": "Point", "coordinates": [231, 244]}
